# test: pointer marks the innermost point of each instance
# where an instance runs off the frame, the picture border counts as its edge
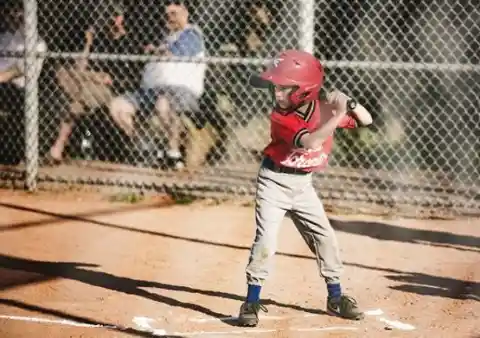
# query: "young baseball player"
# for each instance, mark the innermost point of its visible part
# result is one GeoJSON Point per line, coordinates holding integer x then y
{"type": "Point", "coordinates": [302, 128]}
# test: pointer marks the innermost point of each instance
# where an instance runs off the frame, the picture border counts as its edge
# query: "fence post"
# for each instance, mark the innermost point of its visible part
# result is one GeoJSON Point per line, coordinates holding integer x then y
{"type": "Point", "coordinates": [307, 25]}
{"type": "Point", "coordinates": [31, 94]}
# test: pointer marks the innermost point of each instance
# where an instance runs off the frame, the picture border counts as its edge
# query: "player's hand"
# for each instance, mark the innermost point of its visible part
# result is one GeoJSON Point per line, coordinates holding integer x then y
{"type": "Point", "coordinates": [342, 102]}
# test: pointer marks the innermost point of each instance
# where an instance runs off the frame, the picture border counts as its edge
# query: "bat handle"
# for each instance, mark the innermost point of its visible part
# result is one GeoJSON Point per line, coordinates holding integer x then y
{"type": "Point", "coordinates": [351, 105]}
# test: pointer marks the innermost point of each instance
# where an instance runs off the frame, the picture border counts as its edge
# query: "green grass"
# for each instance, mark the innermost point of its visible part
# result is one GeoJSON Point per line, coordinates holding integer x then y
{"type": "Point", "coordinates": [130, 197]}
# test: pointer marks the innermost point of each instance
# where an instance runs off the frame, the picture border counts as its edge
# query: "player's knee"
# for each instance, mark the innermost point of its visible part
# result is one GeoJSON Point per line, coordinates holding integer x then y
{"type": "Point", "coordinates": [263, 250]}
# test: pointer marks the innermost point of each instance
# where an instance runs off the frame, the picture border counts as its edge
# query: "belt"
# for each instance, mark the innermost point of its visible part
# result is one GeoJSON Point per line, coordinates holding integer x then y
{"type": "Point", "coordinates": [268, 163]}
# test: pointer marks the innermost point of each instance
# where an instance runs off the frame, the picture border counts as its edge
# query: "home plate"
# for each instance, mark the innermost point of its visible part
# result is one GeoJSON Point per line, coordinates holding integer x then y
{"type": "Point", "coordinates": [144, 324]}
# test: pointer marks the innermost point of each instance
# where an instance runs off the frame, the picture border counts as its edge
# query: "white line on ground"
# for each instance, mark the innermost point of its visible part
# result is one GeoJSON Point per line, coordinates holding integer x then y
{"type": "Point", "coordinates": [397, 325]}
{"type": "Point", "coordinates": [212, 333]}
{"type": "Point", "coordinates": [146, 324]}
{"type": "Point", "coordinates": [393, 324]}
{"type": "Point", "coordinates": [257, 331]}
{"type": "Point", "coordinates": [232, 318]}
{"type": "Point", "coordinates": [53, 321]}
{"type": "Point", "coordinates": [143, 323]}
{"type": "Point", "coordinates": [328, 328]}
{"type": "Point", "coordinates": [376, 312]}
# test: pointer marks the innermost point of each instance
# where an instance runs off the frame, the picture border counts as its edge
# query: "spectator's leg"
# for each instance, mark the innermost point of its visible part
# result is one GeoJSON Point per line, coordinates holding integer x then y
{"type": "Point", "coordinates": [66, 127]}
{"type": "Point", "coordinates": [170, 106]}
{"type": "Point", "coordinates": [85, 93]}
{"type": "Point", "coordinates": [171, 124]}
{"type": "Point", "coordinates": [123, 111]}
{"type": "Point", "coordinates": [68, 79]}
{"type": "Point", "coordinates": [69, 82]}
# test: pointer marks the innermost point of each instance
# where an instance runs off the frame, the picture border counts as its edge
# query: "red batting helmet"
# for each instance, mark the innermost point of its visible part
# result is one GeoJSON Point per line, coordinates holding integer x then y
{"type": "Point", "coordinates": [295, 68]}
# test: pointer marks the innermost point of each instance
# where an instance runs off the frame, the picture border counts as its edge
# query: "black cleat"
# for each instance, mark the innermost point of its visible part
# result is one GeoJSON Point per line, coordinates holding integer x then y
{"type": "Point", "coordinates": [249, 314]}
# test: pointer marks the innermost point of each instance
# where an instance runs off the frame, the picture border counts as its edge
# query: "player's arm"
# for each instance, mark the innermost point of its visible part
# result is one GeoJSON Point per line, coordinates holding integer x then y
{"type": "Point", "coordinates": [316, 139]}
{"type": "Point", "coordinates": [10, 73]}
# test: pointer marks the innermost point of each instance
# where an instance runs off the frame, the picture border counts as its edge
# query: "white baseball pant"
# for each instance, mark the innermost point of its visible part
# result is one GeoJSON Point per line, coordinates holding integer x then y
{"type": "Point", "coordinates": [279, 194]}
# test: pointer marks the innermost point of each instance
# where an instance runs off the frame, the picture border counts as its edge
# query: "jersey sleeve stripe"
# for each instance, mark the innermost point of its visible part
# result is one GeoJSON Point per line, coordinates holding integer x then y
{"type": "Point", "coordinates": [310, 111]}
{"type": "Point", "coordinates": [298, 136]}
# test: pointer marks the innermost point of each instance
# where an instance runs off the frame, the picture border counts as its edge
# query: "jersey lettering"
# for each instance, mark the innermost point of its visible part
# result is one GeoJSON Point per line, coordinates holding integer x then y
{"type": "Point", "coordinates": [305, 158]}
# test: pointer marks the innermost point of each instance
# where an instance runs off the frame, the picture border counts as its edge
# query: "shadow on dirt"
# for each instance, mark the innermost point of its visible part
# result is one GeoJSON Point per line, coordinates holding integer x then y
{"type": "Point", "coordinates": [80, 273]}
{"type": "Point", "coordinates": [377, 230]}
{"type": "Point", "coordinates": [389, 232]}
{"type": "Point", "coordinates": [81, 217]}
{"type": "Point", "coordinates": [78, 319]}
{"type": "Point", "coordinates": [58, 218]}
{"type": "Point", "coordinates": [428, 285]}
{"type": "Point", "coordinates": [419, 283]}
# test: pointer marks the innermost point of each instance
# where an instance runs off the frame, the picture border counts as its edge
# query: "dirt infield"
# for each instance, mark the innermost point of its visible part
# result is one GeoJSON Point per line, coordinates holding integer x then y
{"type": "Point", "coordinates": [79, 265]}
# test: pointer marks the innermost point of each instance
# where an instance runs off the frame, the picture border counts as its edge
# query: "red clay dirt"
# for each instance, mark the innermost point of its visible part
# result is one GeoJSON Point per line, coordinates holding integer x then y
{"type": "Point", "coordinates": [78, 265]}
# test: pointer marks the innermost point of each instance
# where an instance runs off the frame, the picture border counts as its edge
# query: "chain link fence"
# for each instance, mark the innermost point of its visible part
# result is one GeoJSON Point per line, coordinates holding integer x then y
{"type": "Point", "coordinates": [75, 107]}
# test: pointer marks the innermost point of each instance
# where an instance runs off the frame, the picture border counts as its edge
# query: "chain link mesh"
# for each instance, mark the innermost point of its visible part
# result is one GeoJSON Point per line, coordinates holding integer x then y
{"type": "Point", "coordinates": [415, 66]}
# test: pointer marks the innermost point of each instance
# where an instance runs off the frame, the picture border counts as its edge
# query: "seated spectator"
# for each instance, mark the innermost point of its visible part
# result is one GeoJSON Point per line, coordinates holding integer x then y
{"type": "Point", "coordinates": [90, 84]}
{"type": "Point", "coordinates": [12, 68]}
{"type": "Point", "coordinates": [168, 88]}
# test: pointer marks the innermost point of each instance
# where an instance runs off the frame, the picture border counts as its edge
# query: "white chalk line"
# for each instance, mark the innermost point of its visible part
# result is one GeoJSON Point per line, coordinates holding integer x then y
{"type": "Point", "coordinates": [390, 323]}
{"type": "Point", "coordinates": [212, 333]}
{"type": "Point", "coordinates": [396, 324]}
{"type": "Point", "coordinates": [234, 318]}
{"type": "Point", "coordinates": [329, 328]}
{"type": "Point", "coordinates": [145, 324]}
{"type": "Point", "coordinates": [54, 321]}
{"type": "Point", "coordinates": [376, 312]}
{"type": "Point", "coordinates": [258, 331]}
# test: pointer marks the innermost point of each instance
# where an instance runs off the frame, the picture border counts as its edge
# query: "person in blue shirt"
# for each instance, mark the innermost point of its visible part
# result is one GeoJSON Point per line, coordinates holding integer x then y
{"type": "Point", "coordinates": [168, 88]}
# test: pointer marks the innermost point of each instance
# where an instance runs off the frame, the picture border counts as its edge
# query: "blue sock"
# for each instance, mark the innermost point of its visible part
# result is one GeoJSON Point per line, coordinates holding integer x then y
{"type": "Point", "coordinates": [334, 290]}
{"type": "Point", "coordinates": [253, 293]}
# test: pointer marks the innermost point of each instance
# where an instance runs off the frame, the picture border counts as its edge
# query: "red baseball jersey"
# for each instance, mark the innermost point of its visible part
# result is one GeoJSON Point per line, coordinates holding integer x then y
{"type": "Point", "coordinates": [287, 129]}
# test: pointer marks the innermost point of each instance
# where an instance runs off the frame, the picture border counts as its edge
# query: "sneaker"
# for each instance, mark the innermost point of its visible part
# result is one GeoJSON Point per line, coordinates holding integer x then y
{"type": "Point", "coordinates": [345, 307]}
{"type": "Point", "coordinates": [249, 314]}
{"type": "Point", "coordinates": [175, 160]}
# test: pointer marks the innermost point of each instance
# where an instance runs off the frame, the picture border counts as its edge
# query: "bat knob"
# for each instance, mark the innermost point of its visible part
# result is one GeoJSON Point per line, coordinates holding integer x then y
{"type": "Point", "coordinates": [351, 105]}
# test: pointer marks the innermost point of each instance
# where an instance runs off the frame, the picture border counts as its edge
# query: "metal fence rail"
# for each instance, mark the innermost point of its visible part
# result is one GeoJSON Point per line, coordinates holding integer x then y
{"type": "Point", "coordinates": [414, 66]}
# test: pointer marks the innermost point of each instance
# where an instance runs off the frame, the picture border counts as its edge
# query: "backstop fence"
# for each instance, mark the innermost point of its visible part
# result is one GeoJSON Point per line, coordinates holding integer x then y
{"type": "Point", "coordinates": [413, 65]}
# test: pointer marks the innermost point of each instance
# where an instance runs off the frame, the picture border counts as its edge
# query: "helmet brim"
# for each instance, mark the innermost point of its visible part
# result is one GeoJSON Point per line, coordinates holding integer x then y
{"type": "Point", "coordinates": [258, 81]}
{"type": "Point", "coordinates": [266, 79]}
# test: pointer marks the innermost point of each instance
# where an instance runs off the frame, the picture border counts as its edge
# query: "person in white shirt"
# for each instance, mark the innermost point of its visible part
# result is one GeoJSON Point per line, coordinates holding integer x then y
{"type": "Point", "coordinates": [12, 78]}
{"type": "Point", "coordinates": [168, 88]}
{"type": "Point", "coordinates": [12, 68]}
